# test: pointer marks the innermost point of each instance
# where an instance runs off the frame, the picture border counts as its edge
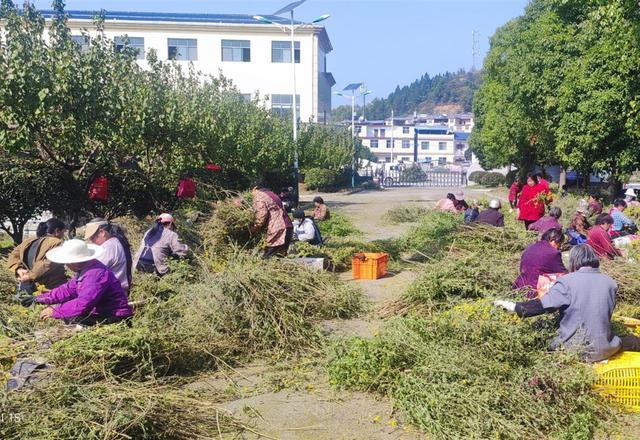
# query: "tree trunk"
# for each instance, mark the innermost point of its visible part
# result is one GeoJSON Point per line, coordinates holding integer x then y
{"type": "Point", "coordinates": [586, 180]}
{"type": "Point", "coordinates": [614, 188]}
{"type": "Point", "coordinates": [563, 177]}
{"type": "Point", "coordinates": [17, 231]}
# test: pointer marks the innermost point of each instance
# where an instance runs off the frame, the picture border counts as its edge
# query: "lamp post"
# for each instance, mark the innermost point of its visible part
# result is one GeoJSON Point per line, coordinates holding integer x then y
{"type": "Point", "coordinates": [364, 93]}
{"type": "Point", "coordinates": [291, 28]}
{"type": "Point", "coordinates": [352, 88]}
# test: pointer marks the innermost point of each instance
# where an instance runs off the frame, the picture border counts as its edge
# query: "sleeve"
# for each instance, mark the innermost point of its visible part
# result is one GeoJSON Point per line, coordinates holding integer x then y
{"type": "Point", "coordinates": [530, 308]}
{"type": "Point", "coordinates": [308, 231]}
{"type": "Point", "coordinates": [557, 265]}
{"type": "Point", "coordinates": [500, 221]}
{"type": "Point", "coordinates": [558, 296]}
{"type": "Point", "coordinates": [88, 294]}
{"type": "Point", "coordinates": [262, 213]}
{"type": "Point", "coordinates": [626, 220]}
{"type": "Point", "coordinates": [60, 294]}
{"type": "Point", "coordinates": [177, 247]}
{"type": "Point", "coordinates": [13, 260]}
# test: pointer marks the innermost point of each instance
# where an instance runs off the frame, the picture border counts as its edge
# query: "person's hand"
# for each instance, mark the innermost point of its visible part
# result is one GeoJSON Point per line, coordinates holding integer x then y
{"type": "Point", "coordinates": [46, 313]}
{"type": "Point", "coordinates": [20, 273]}
{"type": "Point", "coordinates": [509, 306]}
{"type": "Point", "coordinates": [24, 277]}
{"type": "Point", "coordinates": [26, 300]}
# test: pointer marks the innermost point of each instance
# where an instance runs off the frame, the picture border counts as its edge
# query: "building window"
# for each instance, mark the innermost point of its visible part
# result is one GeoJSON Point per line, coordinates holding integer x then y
{"type": "Point", "coordinates": [246, 97]}
{"type": "Point", "coordinates": [183, 49]}
{"type": "Point", "coordinates": [382, 132]}
{"type": "Point", "coordinates": [387, 159]}
{"type": "Point", "coordinates": [428, 159]}
{"type": "Point", "coordinates": [388, 143]}
{"type": "Point", "coordinates": [406, 159]}
{"type": "Point", "coordinates": [406, 143]}
{"type": "Point", "coordinates": [374, 143]}
{"type": "Point", "coordinates": [358, 128]}
{"type": "Point", "coordinates": [424, 145]}
{"type": "Point", "coordinates": [236, 50]}
{"type": "Point", "coordinates": [134, 43]}
{"type": "Point", "coordinates": [281, 104]}
{"type": "Point", "coordinates": [281, 51]}
{"type": "Point", "coordinates": [405, 130]}
{"type": "Point", "coordinates": [82, 41]}
{"type": "Point", "coordinates": [442, 161]}
{"type": "Point", "coordinates": [442, 146]}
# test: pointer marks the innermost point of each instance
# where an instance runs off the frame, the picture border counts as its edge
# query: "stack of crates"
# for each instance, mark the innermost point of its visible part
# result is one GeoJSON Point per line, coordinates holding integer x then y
{"type": "Point", "coordinates": [619, 380]}
{"type": "Point", "coordinates": [369, 266]}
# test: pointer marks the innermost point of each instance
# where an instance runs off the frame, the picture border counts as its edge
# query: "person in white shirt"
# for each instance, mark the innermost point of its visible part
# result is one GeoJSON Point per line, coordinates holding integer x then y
{"type": "Point", "coordinates": [304, 229]}
{"type": "Point", "coordinates": [117, 251]}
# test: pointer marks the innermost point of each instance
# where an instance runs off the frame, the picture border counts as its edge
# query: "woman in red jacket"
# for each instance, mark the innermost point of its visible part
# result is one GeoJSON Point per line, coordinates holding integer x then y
{"type": "Point", "coordinates": [531, 203]}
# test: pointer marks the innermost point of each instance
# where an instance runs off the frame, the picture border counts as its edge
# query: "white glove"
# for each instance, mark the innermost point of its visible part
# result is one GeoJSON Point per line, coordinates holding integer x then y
{"type": "Point", "coordinates": [509, 306]}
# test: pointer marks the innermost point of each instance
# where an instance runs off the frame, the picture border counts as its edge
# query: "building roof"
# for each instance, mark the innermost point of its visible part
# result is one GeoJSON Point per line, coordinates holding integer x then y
{"type": "Point", "coordinates": [175, 17]}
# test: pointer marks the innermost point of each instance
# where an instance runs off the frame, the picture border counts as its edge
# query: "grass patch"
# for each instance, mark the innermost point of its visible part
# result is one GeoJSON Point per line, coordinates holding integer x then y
{"type": "Point", "coordinates": [405, 214]}
{"type": "Point", "coordinates": [474, 372]}
{"type": "Point", "coordinates": [338, 225]}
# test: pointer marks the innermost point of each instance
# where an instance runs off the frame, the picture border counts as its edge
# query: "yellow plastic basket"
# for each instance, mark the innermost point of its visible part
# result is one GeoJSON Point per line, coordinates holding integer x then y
{"type": "Point", "coordinates": [619, 380]}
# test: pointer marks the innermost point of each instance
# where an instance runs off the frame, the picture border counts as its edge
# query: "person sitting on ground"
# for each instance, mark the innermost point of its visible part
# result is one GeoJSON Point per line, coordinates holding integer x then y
{"type": "Point", "coordinates": [460, 203]}
{"type": "Point", "coordinates": [622, 225]}
{"type": "Point", "coordinates": [117, 250]}
{"type": "Point", "coordinates": [630, 198]}
{"type": "Point", "coordinates": [514, 193]}
{"type": "Point", "coordinates": [93, 296]}
{"type": "Point", "coordinates": [158, 244]}
{"type": "Point", "coordinates": [492, 216]}
{"type": "Point", "coordinates": [600, 240]}
{"type": "Point", "coordinates": [595, 206]}
{"type": "Point", "coordinates": [578, 229]}
{"type": "Point", "coordinates": [304, 228]}
{"type": "Point", "coordinates": [320, 211]}
{"type": "Point", "coordinates": [29, 264]}
{"type": "Point", "coordinates": [287, 199]}
{"type": "Point", "coordinates": [270, 214]}
{"type": "Point", "coordinates": [548, 221]}
{"type": "Point", "coordinates": [585, 299]}
{"type": "Point", "coordinates": [447, 204]}
{"type": "Point", "coordinates": [472, 212]}
{"type": "Point", "coordinates": [540, 258]}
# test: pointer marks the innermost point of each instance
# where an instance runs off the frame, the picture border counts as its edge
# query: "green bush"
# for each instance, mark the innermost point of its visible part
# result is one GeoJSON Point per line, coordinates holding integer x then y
{"type": "Point", "coordinates": [320, 179]}
{"type": "Point", "coordinates": [492, 180]}
{"type": "Point", "coordinates": [476, 176]}
{"type": "Point", "coordinates": [338, 226]}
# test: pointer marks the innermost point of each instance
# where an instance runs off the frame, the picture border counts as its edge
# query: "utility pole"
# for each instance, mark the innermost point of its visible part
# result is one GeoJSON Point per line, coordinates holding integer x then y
{"type": "Point", "coordinates": [392, 140]}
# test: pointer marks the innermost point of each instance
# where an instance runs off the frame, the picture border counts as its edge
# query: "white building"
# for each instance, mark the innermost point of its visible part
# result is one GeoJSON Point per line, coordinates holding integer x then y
{"type": "Point", "coordinates": [438, 140]}
{"type": "Point", "coordinates": [255, 56]}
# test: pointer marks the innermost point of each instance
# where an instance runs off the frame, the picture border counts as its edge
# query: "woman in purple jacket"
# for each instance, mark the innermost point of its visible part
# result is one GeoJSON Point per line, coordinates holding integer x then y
{"type": "Point", "coordinates": [542, 257]}
{"type": "Point", "coordinates": [93, 296]}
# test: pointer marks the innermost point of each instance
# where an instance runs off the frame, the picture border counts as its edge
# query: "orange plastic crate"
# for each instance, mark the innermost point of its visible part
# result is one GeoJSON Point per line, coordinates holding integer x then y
{"type": "Point", "coordinates": [369, 266]}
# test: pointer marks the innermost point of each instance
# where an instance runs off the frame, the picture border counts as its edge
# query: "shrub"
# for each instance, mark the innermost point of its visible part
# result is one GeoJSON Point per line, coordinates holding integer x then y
{"type": "Point", "coordinates": [320, 179]}
{"type": "Point", "coordinates": [338, 225]}
{"type": "Point", "coordinates": [491, 180]}
{"type": "Point", "coordinates": [476, 176]}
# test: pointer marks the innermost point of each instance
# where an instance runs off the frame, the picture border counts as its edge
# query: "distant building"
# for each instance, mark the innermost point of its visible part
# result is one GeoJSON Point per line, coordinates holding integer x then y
{"type": "Point", "coordinates": [254, 55]}
{"type": "Point", "coordinates": [434, 139]}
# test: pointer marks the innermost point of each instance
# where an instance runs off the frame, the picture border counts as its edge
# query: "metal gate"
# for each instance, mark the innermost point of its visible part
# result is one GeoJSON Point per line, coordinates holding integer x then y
{"type": "Point", "coordinates": [417, 176]}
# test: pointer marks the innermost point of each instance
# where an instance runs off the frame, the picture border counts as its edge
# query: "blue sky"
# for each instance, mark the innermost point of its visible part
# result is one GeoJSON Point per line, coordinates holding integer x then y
{"type": "Point", "coordinates": [381, 42]}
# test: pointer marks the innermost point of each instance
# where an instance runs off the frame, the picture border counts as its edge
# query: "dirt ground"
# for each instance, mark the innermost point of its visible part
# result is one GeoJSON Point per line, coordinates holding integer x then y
{"type": "Point", "coordinates": [293, 400]}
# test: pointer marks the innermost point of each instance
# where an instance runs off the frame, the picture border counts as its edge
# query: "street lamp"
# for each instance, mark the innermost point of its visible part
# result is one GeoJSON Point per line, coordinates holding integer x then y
{"type": "Point", "coordinates": [352, 88]}
{"type": "Point", "coordinates": [291, 29]}
{"type": "Point", "coordinates": [364, 92]}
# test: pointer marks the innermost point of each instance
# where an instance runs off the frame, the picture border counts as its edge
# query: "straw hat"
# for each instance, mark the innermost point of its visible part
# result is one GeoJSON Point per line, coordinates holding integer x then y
{"type": "Point", "coordinates": [165, 218]}
{"type": "Point", "coordinates": [582, 206]}
{"type": "Point", "coordinates": [74, 251]}
{"type": "Point", "coordinates": [91, 228]}
{"type": "Point", "coordinates": [630, 192]}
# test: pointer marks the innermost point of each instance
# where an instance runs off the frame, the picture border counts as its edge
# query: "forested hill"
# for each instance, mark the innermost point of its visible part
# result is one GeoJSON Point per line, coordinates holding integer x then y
{"type": "Point", "coordinates": [443, 93]}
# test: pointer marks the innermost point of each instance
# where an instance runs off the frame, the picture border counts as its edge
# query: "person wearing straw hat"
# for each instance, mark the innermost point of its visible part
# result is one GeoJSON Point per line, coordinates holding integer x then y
{"type": "Point", "coordinates": [631, 198]}
{"type": "Point", "coordinates": [93, 296]}
{"type": "Point", "coordinates": [158, 244]}
{"type": "Point", "coordinates": [578, 230]}
{"type": "Point", "coordinates": [492, 216]}
{"type": "Point", "coordinates": [117, 251]}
